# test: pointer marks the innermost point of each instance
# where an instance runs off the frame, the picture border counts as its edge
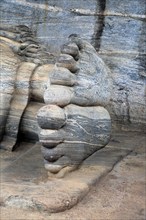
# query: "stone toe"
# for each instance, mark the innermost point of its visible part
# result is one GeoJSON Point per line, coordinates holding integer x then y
{"type": "Point", "coordinates": [51, 117]}
{"type": "Point", "coordinates": [50, 138]}
{"type": "Point", "coordinates": [71, 49]}
{"type": "Point", "coordinates": [67, 61]}
{"type": "Point", "coordinates": [57, 166]}
{"type": "Point", "coordinates": [62, 76]}
{"type": "Point", "coordinates": [58, 95]}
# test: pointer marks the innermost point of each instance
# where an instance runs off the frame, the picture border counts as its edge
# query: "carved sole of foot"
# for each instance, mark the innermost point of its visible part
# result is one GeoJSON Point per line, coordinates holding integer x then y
{"type": "Point", "coordinates": [69, 135]}
{"type": "Point", "coordinates": [79, 77]}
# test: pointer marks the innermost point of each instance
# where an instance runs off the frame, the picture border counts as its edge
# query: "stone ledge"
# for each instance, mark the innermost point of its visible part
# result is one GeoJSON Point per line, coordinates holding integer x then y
{"type": "Point", "coordinates": [56, 195]}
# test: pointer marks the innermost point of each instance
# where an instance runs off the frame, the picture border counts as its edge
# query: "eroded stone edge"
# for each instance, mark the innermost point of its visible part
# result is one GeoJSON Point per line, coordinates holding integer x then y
{"type": "Point", "coordinates": [58, 195]}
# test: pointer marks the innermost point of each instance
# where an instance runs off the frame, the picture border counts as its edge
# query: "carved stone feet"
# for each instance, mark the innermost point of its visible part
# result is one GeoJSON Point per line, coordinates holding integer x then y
{"type": "Point", "coordinates": [71, 134]}
{"type": "Point", "coordinates": [71, 131]}
{"type": "Point", "coordinates": [79, 77]}
{"type": "Point", "coordinates": [73, 125]}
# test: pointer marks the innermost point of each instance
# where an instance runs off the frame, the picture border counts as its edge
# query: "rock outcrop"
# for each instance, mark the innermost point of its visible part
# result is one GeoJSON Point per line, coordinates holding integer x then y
{"type": "Point", "coordinates": [34, 74]}
{"type": "Point", "coordinates": [116, 29]}
{"type": "Point", "coordinates": [66, 97]}
{"type": "Point", "coordinates": [23, 82]}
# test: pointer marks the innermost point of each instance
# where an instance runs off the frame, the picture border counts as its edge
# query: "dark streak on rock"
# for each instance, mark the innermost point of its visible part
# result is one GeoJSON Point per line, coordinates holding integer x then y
{"type": "Point", "coordinates": [99, 24]}
{"type": "Point", "coordinates": [142, 51]}
{"type": "Point", "coordinates": [128, 108]}
{"type": "Point", "coordinates": [19, 135]}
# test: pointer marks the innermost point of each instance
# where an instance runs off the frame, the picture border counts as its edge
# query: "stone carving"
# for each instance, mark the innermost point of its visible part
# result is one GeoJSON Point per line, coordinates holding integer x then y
{"type": "Point", "coordinates": [67, 96]}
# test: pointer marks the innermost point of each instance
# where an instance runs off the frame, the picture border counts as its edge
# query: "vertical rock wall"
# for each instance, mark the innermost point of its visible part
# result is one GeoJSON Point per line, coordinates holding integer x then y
{"type": "Point", "coordinates": [117, 29]}
{"type": "Point", "coordinates": [123, 48]}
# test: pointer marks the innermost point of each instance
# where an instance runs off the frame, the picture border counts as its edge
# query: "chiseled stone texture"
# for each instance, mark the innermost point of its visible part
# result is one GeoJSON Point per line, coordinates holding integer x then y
{"type": "Point", "coordinates": [115, 28]}
{"type": "Point", "coordinates": [84, 131]}
{"type": "Point", "coordinates": [20, 188]}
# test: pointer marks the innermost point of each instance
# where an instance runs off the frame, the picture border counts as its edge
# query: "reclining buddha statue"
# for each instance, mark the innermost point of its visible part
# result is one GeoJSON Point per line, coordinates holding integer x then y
{"type": "Point", "coordinates": [60, 101]}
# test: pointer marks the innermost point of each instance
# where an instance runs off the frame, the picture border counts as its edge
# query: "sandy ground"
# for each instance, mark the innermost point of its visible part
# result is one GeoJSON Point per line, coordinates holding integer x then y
{"type": "Point", "coordinates": [120, 195]}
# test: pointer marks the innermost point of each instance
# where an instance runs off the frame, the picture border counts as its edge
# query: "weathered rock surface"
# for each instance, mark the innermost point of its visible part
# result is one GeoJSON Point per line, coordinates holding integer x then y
{"type": "Point", "coordinates": [18, 104]}
{"type": "Point", "coordinates": [83, 131]}
{"type": "Point", "coordinates": [22, 82]}
{"type": "Point", "coordinates": [76, 71]}
{"type": "Point", "coordinates": [71, 134]}
{"type": "Point", "coordinates": [117, 31]}
{"type": "Point", "coordinates": [24, 182]}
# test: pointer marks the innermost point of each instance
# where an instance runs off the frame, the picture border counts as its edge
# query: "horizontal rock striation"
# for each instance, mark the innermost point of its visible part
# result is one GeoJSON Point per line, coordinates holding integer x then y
{"type": "Point", "coordinates": [115, 28]}
{"type": "Point", "coordinates": [81, 132]}
{"type": "Point", "coordinates": [22, 82]}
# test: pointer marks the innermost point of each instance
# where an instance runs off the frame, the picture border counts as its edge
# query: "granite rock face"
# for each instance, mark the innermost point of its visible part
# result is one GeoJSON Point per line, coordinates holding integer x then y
{"type": "Point", "coordinates": [116, 29]}
{"type": "Point", "coordinates": [85, 130]}
{"type": "Point", "coordinates": [23, 82]}
{"type": "Point", "coordinates": [37, 76]}
{"type": "Point", "coordinates": [79, 82]}
{"type": "Point", "coordinates": [72, 133]}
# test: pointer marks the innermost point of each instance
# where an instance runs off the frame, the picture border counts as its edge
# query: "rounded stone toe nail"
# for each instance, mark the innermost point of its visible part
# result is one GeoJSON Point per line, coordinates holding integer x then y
{"type": "Point", "coordinates": [67, 61]}
{"type": "Point", "coordinates": [51, 155]}
{"type": "Point", "coordinates": [51, 138]}
{"type": "Point", "coordinates": [58, 95]}
{"type": "Point", "coordinates": [62, 76]}
{"type": "Point", "coordinates": [71, 49]}
{"type": "Point", "coordinates": [51, 117]}
{"type": "Point", "coordinates": [53, 168]}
